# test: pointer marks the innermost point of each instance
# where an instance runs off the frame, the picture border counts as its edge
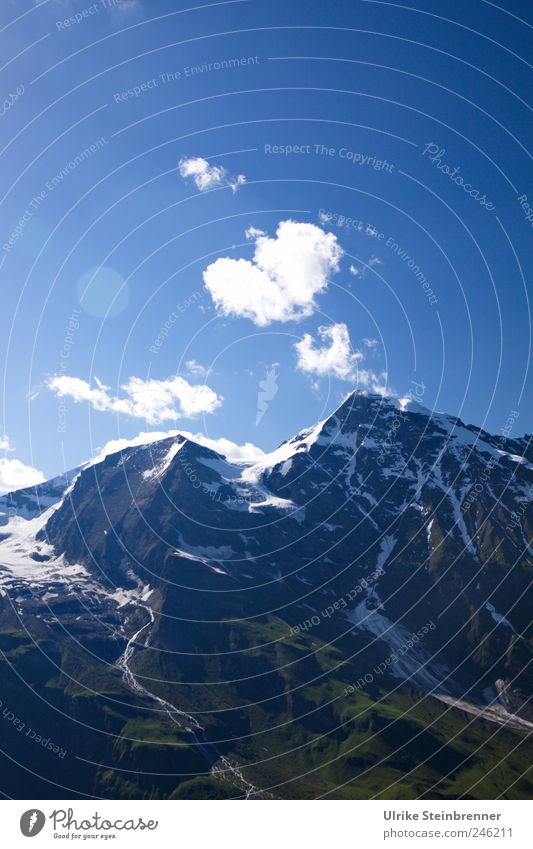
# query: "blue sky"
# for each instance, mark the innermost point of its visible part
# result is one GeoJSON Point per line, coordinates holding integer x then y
{"type": "Point", "coordinates": [206, 208]}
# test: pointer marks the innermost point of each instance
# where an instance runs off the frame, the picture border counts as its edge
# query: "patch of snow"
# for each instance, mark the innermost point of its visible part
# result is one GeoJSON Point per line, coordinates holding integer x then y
{"type": "Point", "coordinates": [286, 451]}
{"type": "Point", "coordinates": [227, 471]}
{"type": "Point", "coordinates": [428, 531]}
{"type": "Point", "coordinates": [163, 465]}
{"type": "Point", "coordinates": [498, 617]}
{"type": "Point", "coordinates": [213, 552]}
{"type": "Point", "coordinates": [414, 664]}
{"type": "Point", "coordinates": [408, 405]}
{"type": "Point", "coordinates": [456, 505]}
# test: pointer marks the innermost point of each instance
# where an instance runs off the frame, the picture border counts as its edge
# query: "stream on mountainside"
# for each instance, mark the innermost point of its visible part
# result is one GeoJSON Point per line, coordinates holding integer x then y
{"type": "Point", "coordinates": [219, 767]}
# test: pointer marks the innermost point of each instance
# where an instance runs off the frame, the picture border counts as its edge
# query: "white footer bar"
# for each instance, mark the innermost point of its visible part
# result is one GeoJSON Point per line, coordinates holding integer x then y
{"type": "Point", "coordinates": [269, 824]}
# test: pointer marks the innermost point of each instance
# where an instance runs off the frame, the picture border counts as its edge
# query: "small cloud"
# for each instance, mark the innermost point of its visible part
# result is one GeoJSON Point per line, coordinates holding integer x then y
{"type": "Point", "coordinates": [361, 270]}
{"type": "Point", "coordinates": [16, 475]}
{"type": "Point", "coordinates": [206, 176]}
{"type": "Point", "coordinates": [254, 233]}
{"type": "Point", "coordinates": [155, 401]}
{"type": "Point", "coordinates": [336, 358]}
{"type": "Point", "coordinates": [370, 343]}
{"type": "Point", "coordinates": [5, 444]}
{"type": "Point", "coordinates": [282, 280]}
{"type": "Point", "coordinates": [234, 453]}
{"type": "Point", "coordinates": [194, 367]}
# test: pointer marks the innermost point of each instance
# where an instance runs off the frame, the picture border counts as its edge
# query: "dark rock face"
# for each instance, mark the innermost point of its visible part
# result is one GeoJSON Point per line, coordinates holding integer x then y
{"type": "Point", "coordinates": [384, 550]}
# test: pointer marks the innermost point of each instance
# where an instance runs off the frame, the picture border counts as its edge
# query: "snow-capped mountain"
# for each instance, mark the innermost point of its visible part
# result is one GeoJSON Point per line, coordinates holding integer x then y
{"type": "Point", "coordinates": [385, 553]}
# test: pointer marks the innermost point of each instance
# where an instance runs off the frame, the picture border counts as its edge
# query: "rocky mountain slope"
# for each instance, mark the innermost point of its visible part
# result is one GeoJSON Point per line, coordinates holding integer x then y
{"type": "Point", "coordinates": [347, 617]}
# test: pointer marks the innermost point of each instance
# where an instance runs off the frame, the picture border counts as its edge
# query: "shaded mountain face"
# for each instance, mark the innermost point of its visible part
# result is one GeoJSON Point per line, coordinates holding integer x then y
{"type": "Point", "coordinates": [350, 615]}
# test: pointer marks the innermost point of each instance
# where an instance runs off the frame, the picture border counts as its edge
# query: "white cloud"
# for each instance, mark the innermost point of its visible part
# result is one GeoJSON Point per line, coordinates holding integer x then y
{"type": "Point", "coordinates": [254, 233]}
{"type": "Point", "coordinates": [234, 452]}
{"type": "Point", "coordinates": [16, 475]}
{"type": "Point", "coordinates": [281, 281]}
{"type": "Point", "coordinates": [13, 473]}
{"type": "Point", "coordinates": [155, 401]}
{"type": "Point", "coordinates": [206, 176]}
{"type": "Point", "coordinates": [5, 444]}
{"type": "Point", "coordinates": [336, 358]}
{"type": "Point", "coordinates": [361, 270]}
{"type": "Point", "coordinates": [378, 383]}
{"type": "Point", "coordinates": [370, 343]}
{"type": "Point", "coordinates": [194, 367]}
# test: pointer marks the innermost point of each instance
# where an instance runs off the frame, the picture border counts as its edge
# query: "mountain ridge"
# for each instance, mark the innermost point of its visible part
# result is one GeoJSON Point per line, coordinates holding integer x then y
{"type": "Point", "coordinates": [235, 592]}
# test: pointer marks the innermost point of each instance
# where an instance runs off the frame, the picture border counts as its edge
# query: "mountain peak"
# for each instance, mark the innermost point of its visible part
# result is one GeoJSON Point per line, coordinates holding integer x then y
{"type": "Point", "coordinates": [375, 405]}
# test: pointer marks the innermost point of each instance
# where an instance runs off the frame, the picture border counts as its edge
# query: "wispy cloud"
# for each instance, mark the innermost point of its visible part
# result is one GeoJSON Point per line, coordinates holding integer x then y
{"type": "Point", "coordinates": [361, 269]}
{"type": "Point", "coordinates": [196, 368]}
{"type": "Point", "coordinates": [155, 401]}
{"type": "Point", "coordinates": [282, 280]}
{"type": "Point", "coordinates": [206, 176]}
{"type": "Point", "coordinates": [5, 444]}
